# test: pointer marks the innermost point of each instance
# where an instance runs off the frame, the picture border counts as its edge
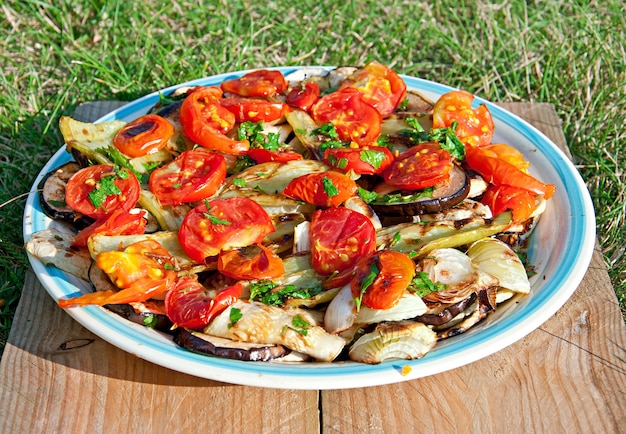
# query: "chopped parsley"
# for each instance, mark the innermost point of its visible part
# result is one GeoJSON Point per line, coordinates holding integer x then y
{"type": "Point", "coordinates": [239, 182]}
{"type": "Point", "coordinates": [396, 239]}
{"type": "Point", "coordinates": [366, 283]}
{"type": "Point", "coordinates": [421, 285]}
{"type": "Point", "coordinates": [270, 293]}
{"type": "Point", "coordinates": [150, 320]}
{"type": "Point", "coordinates": [372, 157]}
{"type": "Point", "coordinates": [119, 159]}
{"type": "Point", "coordinates": [371, 197]}
{"type": "Point", "coordinates": [327, 130]}
{"type": "Point", "coordinates": [446, 137]}
{"type": "Point", "coordinates": [213, 219]}
{"type": "Point", "coordinates": [329, 188]}
{"type": "Point", "coordinates": [330, 136]}
{"type": "Point", "coordinates": [57, 203]}
{"type": "Point", "coordinates": [253, 132]}
{"type": "Point", "coordinates": [106, 187]}
{"type": "Point", "coordinates": [234, 315]}
{"type": "Point", "coordinates": [298, 325]}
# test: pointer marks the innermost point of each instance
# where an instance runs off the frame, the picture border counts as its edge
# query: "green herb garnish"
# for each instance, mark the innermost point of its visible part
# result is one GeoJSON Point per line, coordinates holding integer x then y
{"type": "Point", "coordinates": [422, 285]}
{"type": "Point", "coordinates": [150, 320]}
{"type": "Point", "coordinates": [366, 283]}
{"type": "Point", "coordinates": [234, 316]}
{"type": "Point", "coordinates": [270, 293]}
{"type": "Point", "coordinates": [329, 188]}
{"type": "Point", "coordinates": [106, 187]}
{"type": "Point", "coordinates": [298, 325]}
{"type": "Point", "coordinates": [446, 137]}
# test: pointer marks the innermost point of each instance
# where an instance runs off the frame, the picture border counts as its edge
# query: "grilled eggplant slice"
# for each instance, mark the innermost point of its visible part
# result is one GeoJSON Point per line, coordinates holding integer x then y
{"type": "Point", "coordinates": [202, 343]}
{"type": "Point", "coordinates": [445, 196]}
{"type": "Point", "coordinates": [52, 192]}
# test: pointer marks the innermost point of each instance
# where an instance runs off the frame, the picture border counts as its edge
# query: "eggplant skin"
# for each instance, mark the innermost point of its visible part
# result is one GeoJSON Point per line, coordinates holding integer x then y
{"type": "Point", "coordinates": [225, 348]}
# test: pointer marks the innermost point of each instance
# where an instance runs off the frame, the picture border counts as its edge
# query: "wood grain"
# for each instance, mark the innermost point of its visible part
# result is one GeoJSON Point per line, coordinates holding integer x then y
{"type": "Point", "coordinates": [569, 375]}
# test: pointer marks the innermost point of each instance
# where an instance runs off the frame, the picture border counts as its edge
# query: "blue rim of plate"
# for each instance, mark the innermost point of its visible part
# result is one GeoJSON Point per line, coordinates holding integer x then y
{"type": "Point", "coordinates": [550, 289]}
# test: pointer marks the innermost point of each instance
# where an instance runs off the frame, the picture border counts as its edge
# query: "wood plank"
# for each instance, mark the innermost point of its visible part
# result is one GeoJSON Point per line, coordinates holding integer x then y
{"type": "Point", "coordinates": [568, 375]}
{"type": "Point", "coordinates": [70, 379]}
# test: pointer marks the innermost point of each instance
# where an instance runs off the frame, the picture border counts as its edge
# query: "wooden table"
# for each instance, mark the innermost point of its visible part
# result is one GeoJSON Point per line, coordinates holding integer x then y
{"type": "Point", "coordinates": [569, 375]}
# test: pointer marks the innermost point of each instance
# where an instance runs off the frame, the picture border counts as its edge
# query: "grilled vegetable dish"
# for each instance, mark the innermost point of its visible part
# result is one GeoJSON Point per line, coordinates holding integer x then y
{"type": "Point", "coordinates": [328, 214]}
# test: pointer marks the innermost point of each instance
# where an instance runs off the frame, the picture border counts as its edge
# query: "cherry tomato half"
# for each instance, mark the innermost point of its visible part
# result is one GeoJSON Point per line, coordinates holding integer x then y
{"type": "Point", "coordinates": [504, 197]}
{"type": "Point", "coordinates": [224, 224]}
{"type": "Point", "coordinates": [143, 136]}
{"type": "Point", "coordinates": [253, 110]}
{"type": "Point", "coordinates": [260, 83]}
{"type": "Point", "coordinates": [419, 167]}
{"type": "Point", "coordinates": [354, 119]}
{"type": "Point", "coordinates": [475, 126]}
{"type": "Point", "coordinates": [322, 189]}
{"type": "Point", "coordinates": [119, 222]}
{"type": "Point", "coordinates": [303, 99]}
{"type": "Point", "coordinates": [381, 278]}
{"type": "Point", "coordinates": [368, 160]}
{"type": "Point", "coordinates": [189, 304]}
{"type": "Point", "coordinates": [192, 176]}
{"type": "Point", "coordinates": [205, 121]}
{"type": "Point", "coordinates": [250, 263]}
{"type": "Point", "coordinates": [261, 155]}
{"type": "Point", "coordinates": [380, 87]}
{"type": "Point", "coordinates": [500, 172]}
{"type": "Point", "coordinates": [98, 190]}
{"type": "Point", "coordinates": [339, 237]}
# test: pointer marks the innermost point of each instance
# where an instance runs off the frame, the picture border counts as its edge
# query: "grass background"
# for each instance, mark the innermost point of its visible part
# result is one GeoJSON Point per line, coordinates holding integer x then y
{"type": "Point", "coordinates": [56, 55]}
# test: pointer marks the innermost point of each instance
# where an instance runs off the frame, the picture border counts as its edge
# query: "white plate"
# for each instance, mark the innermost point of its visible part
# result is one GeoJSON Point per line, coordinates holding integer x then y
{"type": "Point", "coordinates": [560, 249]}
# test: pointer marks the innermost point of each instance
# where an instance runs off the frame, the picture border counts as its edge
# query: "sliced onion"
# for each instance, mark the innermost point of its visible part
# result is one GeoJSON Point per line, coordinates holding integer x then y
{"type": "Point", "coordinates": [496, 258]}
{"type": "Point", "coordinates": [409, 306]}
{"type": "Point", "coordinates": [394, 340]}
{"type": "Point", "coordinates": [341, 311]}
{"type": "Point", "coordinates": [301, 239]}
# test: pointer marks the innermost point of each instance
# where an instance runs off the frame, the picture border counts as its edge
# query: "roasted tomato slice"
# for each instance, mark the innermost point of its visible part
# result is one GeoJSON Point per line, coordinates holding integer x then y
{"type": "Point", "coordinates": [192, 176]}
{"type": "Point", "coordinates": [189, 304]}
{"type": "Point", "coordinates": [507, 153]}
{"type": "Point", "coordinates": [504, 197]}
{"type": "Point", "coordinates": [142, 270]}
{"type": "Point", "coordinates": [339, 237]}
{"type": "Point", "coordinates": [119, 222]}
{"type": "Point", "coordinates": [205, 121]}
{"type": "Point", "coordinates": [260, 83]}
{"type": "Point", "coordinates": [250, 263]}
{"type": "Point", "coordinates": [501, 172]}
{"type": "Point", "coordinates": [303, 98]}
{"type": "Point", "coordinates": [368, 160]}
{"type": "Point", "coordinates": [143, 136]}
{"type": "Point", "coordinates": [380, 86]}
{"type": "Point", "coordinates": [253, 110]}
{"type": "Point", "coordinates": [354, 119]}
{"type": "Point", "coordinates": [261, 155]}
{"type": "Point", "coordinates": [475, 126]}
{"type": "Point", "coordinates": [98, 190]}
{"type": "Point", "coordinates": [419, 167]}
{"type": "Point", "coordinates": [322, 189]}
{"type": "Point", "coordinates": [381, 278]}
{"type": "Point", "coordinates": [223, 224]}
